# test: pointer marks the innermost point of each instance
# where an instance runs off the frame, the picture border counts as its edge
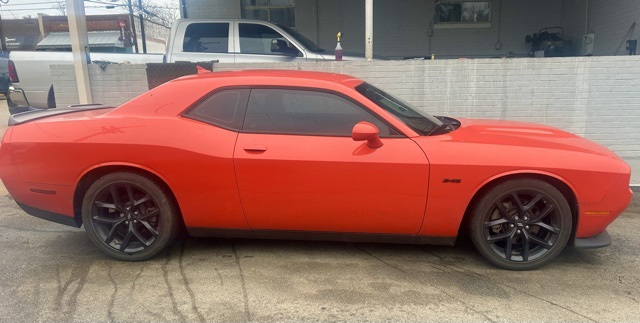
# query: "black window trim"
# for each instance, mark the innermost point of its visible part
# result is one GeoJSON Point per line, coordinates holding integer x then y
{"type": "Point", "coordinates": [243, 110]}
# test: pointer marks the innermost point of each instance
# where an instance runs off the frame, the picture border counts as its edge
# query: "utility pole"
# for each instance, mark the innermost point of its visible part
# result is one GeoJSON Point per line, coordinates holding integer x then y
{"type": "Point", "coordinates": [142, 34]}
{"type": "Point", "coordinates": [368, 30]}
{"type": "Point", "coordinates": [133, 27]}
{"type": "Point", "coordinates": [80, 48]}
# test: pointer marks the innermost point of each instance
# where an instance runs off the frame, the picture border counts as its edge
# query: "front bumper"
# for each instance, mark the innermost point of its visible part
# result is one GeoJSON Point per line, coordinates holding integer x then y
{"type": "Point", "coordinates": [598, 241]}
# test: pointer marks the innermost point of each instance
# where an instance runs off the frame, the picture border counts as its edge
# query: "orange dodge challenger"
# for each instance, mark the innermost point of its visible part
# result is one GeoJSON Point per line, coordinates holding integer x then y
{"type": "Point", "coordinates": [308, 155]}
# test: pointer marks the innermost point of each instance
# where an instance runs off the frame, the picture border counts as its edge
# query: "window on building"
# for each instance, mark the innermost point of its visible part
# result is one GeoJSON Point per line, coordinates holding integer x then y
{"type": "Point", "coordinates": [302, 112]}
{"type": "Point", "coordinates": [225, 109]}
{"type": "Point", "coordinates": [463, 14]}
{"type": "Point", "coordinates": [206, 38]}
{"type": "Point", "coordinates": [279, 11]}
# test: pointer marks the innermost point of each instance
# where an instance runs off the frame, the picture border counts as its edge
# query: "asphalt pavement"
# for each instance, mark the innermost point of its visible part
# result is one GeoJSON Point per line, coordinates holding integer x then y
{"type": "Point", "coordinates": [52, 273]}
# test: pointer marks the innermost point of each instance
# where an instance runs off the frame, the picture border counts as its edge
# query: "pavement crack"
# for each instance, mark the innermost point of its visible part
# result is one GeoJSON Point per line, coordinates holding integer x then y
{"type": "Point", "coordinates": [219, 276]}
{"type": "Point", "coordinates": [194, 305]}
{"type": "Point", "coordinates": [137, 276]}
{"type": "Point", "coordinates": [79, 275]}
{"type": "Point", "coordinates": [60, 289]}
{"type": "Point", "coordinates": [442, 290]}
{"type": "Point", "coordinates": [523, 292]}
{"type": "Point", "coordinates": [112, 300]}
{"type": "Point", "coordinates": [172, 297]}
{"type": "Point", "coordinates": [382, 261]}
{"type": "Point", "coordinates": [244, 287]}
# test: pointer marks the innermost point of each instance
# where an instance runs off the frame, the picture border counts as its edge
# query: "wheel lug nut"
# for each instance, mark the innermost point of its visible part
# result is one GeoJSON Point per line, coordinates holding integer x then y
{"type": "Point", "coordinates": [135, 221]}
{"type": "Point", "coordinates": [511, 225]}
{"type": "Point", "coordinates": [126, 222]}
{"type": "Point", "coordinates": [122, 215]}
{"type": "Point", "coordinates": [517, 218]}
{"type": "Point", "coordinates": [526, 227]}
{"type": "Point", "coordinates": [519, 231]}
{"type": "Point", "coordinates": [526, 218]}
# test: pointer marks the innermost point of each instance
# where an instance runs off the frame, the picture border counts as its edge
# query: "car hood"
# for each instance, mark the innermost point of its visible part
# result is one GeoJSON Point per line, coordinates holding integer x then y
{"type": "Point", "coordinates": [512, 133]}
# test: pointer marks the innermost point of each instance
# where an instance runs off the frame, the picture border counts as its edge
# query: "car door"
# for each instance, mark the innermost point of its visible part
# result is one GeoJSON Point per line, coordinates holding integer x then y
{"type": "Point", "coordinates": [298, 168]}
{"type": "Point", "coordinates": [204, 41]}
{"type": "Point", "coordinates": [260, 43]}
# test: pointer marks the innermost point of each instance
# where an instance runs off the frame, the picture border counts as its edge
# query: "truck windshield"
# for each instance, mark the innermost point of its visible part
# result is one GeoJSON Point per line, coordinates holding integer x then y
{"type": "Point", "coordinates": [422, 123]}
{"type": "Point", "coordinates": [306, 42]}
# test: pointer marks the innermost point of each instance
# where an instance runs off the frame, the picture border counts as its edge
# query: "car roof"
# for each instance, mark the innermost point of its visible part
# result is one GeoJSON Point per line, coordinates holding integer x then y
{"type": "Point", "coordinates": [287, 76]}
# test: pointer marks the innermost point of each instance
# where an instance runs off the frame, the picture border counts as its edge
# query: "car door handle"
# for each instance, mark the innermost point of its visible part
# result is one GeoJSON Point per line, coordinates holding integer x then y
{"type": "Point", "coordinates": [255, 148]}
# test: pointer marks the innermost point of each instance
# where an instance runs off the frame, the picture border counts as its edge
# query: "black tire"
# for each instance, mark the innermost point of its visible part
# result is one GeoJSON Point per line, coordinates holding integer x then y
{"type": "Point", "coordinates": [521, 224]}
{"type": "Point", "coordinates": [129, 216]}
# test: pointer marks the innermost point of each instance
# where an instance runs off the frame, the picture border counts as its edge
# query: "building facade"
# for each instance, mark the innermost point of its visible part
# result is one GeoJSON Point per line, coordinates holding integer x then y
{"type": "Point", "coordinates": [446, 29]}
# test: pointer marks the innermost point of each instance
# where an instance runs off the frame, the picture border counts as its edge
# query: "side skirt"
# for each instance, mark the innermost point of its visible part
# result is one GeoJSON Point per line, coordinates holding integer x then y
{"type": "Point", "coordinates": [320, 236]}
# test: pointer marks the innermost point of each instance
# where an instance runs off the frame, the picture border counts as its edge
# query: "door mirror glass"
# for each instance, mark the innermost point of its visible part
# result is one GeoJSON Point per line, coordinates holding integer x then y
{"type": "Point", "coordinates": [366, 131]}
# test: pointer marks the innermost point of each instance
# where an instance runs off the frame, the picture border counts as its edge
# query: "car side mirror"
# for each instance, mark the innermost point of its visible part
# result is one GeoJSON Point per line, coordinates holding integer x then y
{"type": "Point", "coordinates": [366, 131]}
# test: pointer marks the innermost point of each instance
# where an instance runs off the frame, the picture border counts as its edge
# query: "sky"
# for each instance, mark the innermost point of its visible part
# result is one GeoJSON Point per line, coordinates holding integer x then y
{"type": "Point", "coordinates": [16, 9]}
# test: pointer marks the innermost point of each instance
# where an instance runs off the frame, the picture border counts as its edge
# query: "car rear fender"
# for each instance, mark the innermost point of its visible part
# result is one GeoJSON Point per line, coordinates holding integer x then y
{"type": "Point", "coordinates": [89, 175]}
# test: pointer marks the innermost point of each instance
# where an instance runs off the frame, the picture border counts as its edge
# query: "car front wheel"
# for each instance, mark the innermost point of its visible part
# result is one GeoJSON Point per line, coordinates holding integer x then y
{"type": "Point", "coordinates": [521, 224]}
{"type": "Point", "coordinates": [129, 216]}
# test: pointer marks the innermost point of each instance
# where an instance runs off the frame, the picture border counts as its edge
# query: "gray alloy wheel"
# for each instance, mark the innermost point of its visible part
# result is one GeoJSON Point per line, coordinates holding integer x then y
{"type": "Point", "coordinates": [129, 216]}
{"type": "Point", "coordinates": [521, 224]}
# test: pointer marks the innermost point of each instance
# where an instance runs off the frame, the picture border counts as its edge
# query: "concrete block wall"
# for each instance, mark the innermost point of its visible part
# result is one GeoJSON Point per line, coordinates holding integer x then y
{"type": "Point", "coordinates": [596, 97]}
{"type": "Point", "coordinates": [115, 85]}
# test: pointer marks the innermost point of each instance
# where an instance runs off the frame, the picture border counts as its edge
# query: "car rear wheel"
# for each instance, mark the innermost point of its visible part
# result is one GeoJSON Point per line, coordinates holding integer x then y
{"type": "Point", "coordinates": [129, 216]}
{"type": "Point", "coordinates": [521, 224]}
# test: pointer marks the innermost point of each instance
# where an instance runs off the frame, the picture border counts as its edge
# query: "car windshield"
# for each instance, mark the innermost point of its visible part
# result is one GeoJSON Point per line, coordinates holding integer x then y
{"type": "Point", "coordinates": [308, 43]}
{"type": "Point", "coordinates": [421, 123]}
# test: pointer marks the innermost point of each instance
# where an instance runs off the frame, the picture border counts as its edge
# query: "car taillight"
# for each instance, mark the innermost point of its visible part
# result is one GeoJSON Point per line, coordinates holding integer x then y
{"type": "Point", "coordinates": [13, 74]}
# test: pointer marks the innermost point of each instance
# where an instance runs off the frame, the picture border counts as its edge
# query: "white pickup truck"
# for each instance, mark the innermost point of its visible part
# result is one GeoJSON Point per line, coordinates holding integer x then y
{"type": "Point", "coordinates": [190, 40]}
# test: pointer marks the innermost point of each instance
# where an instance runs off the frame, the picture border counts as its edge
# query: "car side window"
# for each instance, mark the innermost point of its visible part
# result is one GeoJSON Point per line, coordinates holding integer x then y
{"type": "Point", "coordinates": [206, 38]}
{"type": "Point", "coordinates": [287, 111]}
{"type": "Point", "coordinates": [260, 39]}
{"type": "Point", "coordinates": [224, 109]}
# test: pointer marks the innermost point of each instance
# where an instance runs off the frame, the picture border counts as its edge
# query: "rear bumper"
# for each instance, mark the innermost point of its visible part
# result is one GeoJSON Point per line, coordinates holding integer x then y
{"type": "Point", "coordinates": [50, 216]}
{"type": "Point", "coordinates": [18, 97]}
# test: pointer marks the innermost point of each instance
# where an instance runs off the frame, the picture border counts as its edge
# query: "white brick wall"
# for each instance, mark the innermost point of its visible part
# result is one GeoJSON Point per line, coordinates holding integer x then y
{"type": "Point", "coordinates": [117, 84]}
{"type": "Point", "coordinates": [596, 97]}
